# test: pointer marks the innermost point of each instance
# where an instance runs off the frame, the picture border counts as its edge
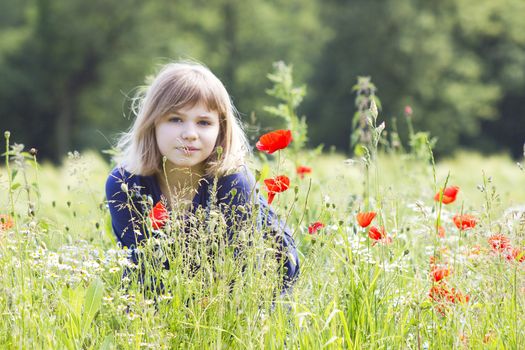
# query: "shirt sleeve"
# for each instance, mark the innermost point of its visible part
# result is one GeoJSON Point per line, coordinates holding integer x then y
{"type": "Point", "coordinates": [125, 208]}
{"type": "Point", "coordinates": [236, 196]}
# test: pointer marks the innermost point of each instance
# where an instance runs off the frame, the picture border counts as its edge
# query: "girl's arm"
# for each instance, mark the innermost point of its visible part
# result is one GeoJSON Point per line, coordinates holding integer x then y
{"type": "Point", "coordinates": [235, 194]}
{"type": "Point", "coordinates": [126, 217]}
{"type": "Point", "coordinates": [238, 190]}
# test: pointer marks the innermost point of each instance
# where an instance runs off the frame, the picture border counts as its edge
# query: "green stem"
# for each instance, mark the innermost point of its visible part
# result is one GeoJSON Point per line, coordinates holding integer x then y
{"type": "Point", "coordinates": [515, 305]}
{"type": "Point", "coordinates": [367, 187]}
{"type": "Point", "coordinates": [487, 200]}
{"type": "Point", "coordinates": [7, 134]}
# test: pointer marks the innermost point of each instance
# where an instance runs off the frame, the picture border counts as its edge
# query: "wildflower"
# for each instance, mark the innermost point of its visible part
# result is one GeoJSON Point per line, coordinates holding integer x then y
{"type": "Point", "coordinates": [6, 222]}
{"type": "Point", "coordinates": [449, 194]}
{"type": "Point", "coordinates": [464, 339]}
{"type": "Point", "coordinates": [316, 226]}
{"type": "Point", "coordinates": [378, 235]}
{"type": "Point", "coordinates": [443, 295]}
{"type": "Point", "coordinates": [516, 254]}
{"type": "Point", "coordinates": [499, 242]}
{"type": "Point", "coordinates": [365, 218]}
{"type": "Point", "coordinates": [408, 111]}
{"type": "Point", "coordinates": [439, 292]}
{"type": "Point", "coordinates": [488, 337]}
{"type": "Point", "coordinates": [476, 251]}
{"type": "Point", "coordinates": [302, 170]}
{"type": "Point", "coordinates": [276, 185]}
{"type": "Point", "coordinates": [460, 297]}
{"type": "Point", "coordinates": [274, 141]}
{"type": "Point", "coordinates": [159, 216]}
{"type": "Point", "coordinates": [439, 273]}
{"type": "Point", "coordinates": [465, 221]}
{"type": "Point", "coordinates": [432, 260]}
{"type": "Point", "coordinates": [441, 232]}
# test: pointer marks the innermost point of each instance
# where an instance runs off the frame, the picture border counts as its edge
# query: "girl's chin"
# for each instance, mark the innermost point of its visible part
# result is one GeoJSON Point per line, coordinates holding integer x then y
{"type": "Point", "coordinates": [184, 164]}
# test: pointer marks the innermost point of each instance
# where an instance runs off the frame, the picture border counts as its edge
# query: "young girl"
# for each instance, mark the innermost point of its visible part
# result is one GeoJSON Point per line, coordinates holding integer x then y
{"type": "Point", "coordinates": [186, 143]}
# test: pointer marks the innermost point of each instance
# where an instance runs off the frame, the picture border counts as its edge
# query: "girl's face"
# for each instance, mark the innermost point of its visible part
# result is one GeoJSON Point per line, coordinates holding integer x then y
{"type": "Point", "coordinates": [188, 137]}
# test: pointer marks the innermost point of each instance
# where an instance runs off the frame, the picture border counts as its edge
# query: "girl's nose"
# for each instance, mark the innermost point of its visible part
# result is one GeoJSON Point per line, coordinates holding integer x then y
{"type": "Point", "coordinates": [189, 134]}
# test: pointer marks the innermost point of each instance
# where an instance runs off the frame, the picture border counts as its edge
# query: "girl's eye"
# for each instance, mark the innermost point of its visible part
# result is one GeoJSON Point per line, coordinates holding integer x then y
{"type": "Point", "coordinates": [175, 120]}
{"type": "Point", "coordinates": [204, 122]}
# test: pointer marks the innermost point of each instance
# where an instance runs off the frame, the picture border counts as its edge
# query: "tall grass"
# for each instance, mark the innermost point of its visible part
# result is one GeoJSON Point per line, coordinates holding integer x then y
{"type": "Point", "coordinates": [61, 280]}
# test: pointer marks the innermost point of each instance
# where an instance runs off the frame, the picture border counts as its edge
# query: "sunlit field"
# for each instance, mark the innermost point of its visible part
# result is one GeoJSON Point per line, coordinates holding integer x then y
{"type": "Point", "coordinates": [401, 284]}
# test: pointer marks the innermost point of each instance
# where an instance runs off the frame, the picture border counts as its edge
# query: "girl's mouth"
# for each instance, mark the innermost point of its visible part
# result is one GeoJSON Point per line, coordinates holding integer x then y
{"type": "Point", "coordinates": [188, 149]}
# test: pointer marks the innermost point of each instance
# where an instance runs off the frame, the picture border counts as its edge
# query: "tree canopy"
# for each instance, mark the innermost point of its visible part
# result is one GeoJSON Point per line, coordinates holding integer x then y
{"type": "Point", "coordinates": [68, 68]}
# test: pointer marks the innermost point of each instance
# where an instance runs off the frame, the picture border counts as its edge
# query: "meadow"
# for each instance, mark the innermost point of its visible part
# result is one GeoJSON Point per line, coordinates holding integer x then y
{"type": "Point", "coordinates": [404, 284]}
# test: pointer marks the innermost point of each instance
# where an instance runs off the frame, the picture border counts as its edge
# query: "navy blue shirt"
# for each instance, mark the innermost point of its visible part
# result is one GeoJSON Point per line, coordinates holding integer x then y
{"type": "Point", "coordinates": [232, 192]}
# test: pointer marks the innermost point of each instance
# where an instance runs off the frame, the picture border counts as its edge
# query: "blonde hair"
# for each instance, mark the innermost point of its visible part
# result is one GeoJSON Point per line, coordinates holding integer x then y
{"type": "Point", "coordinates": [176, 86]}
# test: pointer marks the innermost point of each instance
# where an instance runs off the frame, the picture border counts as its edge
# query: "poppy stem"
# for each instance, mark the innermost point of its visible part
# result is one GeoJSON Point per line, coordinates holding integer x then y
{"type": "Point", "coordinates": [278, 161]}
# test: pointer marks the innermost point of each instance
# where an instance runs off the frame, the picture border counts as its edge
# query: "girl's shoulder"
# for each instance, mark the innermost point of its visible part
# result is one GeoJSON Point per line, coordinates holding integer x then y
{"type": "Point", "coordinates": [121, 180]}
{"type": "Point", "coordinates": [240, 184]}
{"type": "Point", "coordinates": [241, 178]}
{"type": "Point", "coordinates": [120, 175]}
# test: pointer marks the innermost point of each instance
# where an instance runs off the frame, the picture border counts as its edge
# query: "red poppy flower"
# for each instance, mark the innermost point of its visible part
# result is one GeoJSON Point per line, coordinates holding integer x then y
{"type": "Point", "coordinates": [378, 235]}
{"type": "Point", "coordinates": [316, 226]}
{"type": "Point", "coordinates": [408, 111]}
{"type": "Point", "coordinates": [441, 232]}
{"type": "Point", "coordinates": [439, 292]}
{"type": "Point", "coordinates": [6, 222]}
{"type": "Point", "coordinates": [302, 170]}
{"type": "Point", "coordinates": [465, 221]}
{"type": "Point", "coordinates": [442, 293]}
{"type": "Point", "coordinates": [432, 260]}
{"type": "Point", "coordinates": [516, 254]}
{"type": "Point", "coordinates": [449, 194]}
{"type": "Point", "coordinates": [365, 218]}
{"type": "Point", "coordinates": [274, 141]}
{"type": "Point", "coordinates": [276, 185]}
{"type": "Point", "coordinates": [159, 216]}
{"type": "Point", "coordinates": [438, 273]}
{"type": "Point", "coordinates": [460, 297]}
{"type": "Point", "coordinates": [499, 242]}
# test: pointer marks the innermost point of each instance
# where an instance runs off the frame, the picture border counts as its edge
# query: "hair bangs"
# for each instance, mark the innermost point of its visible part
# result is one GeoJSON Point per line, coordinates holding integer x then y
{"type": "Point", "coordinates": [193, 88]}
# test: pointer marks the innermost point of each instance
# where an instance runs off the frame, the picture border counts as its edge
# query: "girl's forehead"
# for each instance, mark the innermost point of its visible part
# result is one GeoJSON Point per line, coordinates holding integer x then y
{"type": "Point", "coordinates": [201, 106]}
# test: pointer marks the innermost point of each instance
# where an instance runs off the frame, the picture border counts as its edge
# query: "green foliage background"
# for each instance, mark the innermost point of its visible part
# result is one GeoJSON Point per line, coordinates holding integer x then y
{"type": "Point", "coordinates": [67, 67]}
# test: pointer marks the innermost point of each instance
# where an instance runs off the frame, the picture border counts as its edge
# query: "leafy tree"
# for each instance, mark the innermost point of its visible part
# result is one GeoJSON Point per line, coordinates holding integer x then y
{"type": "Point", "coordinates": [69, 66]}
{"type": "Point", "coordinates": [494, 31]}
{"type": "Point", "coordinates": [410, 50]}
{"type": "Point", "coordinates": [48, 70]}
